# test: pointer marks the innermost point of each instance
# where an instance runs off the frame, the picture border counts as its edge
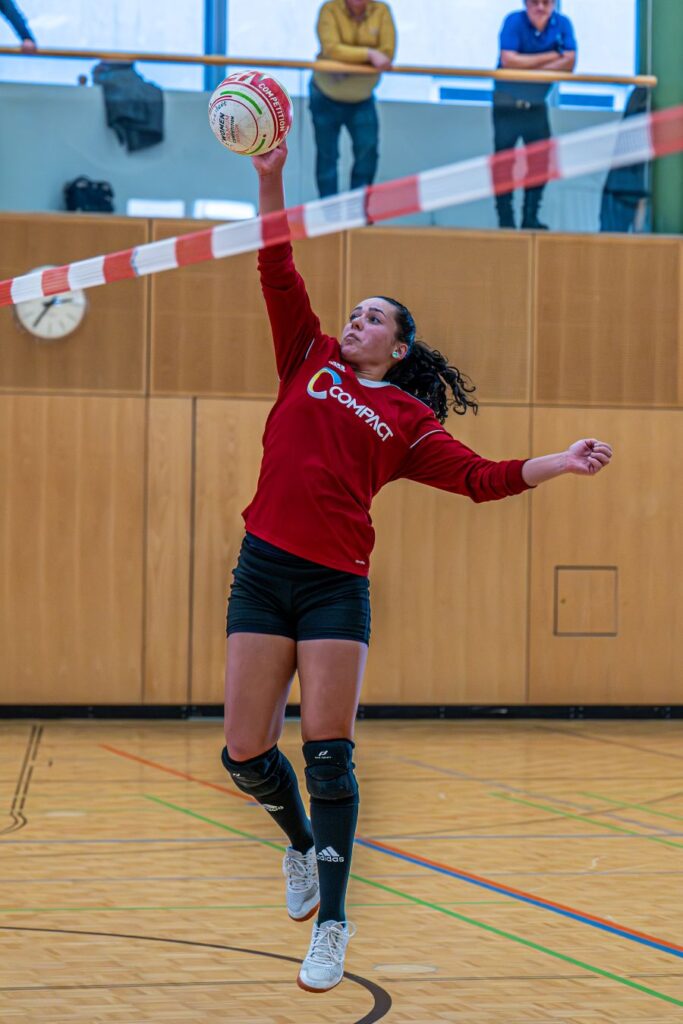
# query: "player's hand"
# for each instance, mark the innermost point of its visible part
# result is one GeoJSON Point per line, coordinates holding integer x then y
{"type": "Point", "coordinates": [271, 163]}
{"type": "Point", "coordinates": [379, 60]}
{"type": "Point", "coordinates": [588, 457]}
{"type": "Point", "coordinates": [28, 46]}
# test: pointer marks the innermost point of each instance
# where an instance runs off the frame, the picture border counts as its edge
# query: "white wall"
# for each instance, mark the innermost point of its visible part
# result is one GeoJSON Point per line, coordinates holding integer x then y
{"type": "Point", "coordinates": [50, 135]}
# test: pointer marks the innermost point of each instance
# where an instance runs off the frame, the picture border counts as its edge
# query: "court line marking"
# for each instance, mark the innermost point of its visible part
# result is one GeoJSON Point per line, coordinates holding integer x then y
{"type": "Point", "coordinates": [591, 737]}
{"type": "Point", "coordinates": [230, 790]}
{"type": "Point", "coordinates": [382, 1001]}
{"type": "Point", "coordinates": [538, 901]}
{"type": "Point", "coordinates": [583, 817]}
{"type": "Point", "coordinates": [394, 978]}
{"type": "Point", "coordinates": [423, 838]}
{"type": "Point", "coordinates": [440, 908]}
{"type": "Point", "coordinates": [97, 842]}
{"type": "Point", "coordinates": [526, 792]}
{"type": "Point", "coordinates": [643, 938]}
{"type": "Point", "coordinates": [637, 807]}
{"type": "Point", "coordinates": [16, 812]}
{"type": "Point", "coordinates": [137, 879]}
{"type": "Point", "coordinates": [211, 906]}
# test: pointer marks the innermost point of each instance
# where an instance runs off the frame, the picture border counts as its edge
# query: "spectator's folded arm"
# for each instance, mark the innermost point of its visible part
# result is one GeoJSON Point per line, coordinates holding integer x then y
{"type": "Point", "coordinates": [331, 45]}
{"type": "Point", "coordinates": [387, 36]}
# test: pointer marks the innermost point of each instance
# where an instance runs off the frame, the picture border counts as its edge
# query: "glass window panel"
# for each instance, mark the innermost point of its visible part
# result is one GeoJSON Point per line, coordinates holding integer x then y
{"type": "Point", "coordinates": [134, 25]}
{"type": "Point", "coordinates": [459, 33]}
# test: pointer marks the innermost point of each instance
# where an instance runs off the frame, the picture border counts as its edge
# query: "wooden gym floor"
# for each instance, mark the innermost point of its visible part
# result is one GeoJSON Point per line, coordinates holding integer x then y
{"type": "Point", "coordinates": [508, 872]}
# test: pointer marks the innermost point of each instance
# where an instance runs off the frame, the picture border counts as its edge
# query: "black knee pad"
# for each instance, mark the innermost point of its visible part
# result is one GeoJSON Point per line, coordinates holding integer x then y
{"type": "Point", "coordinates": [329, 770]}
{"type": "Point", "coordinates": [261, 777]}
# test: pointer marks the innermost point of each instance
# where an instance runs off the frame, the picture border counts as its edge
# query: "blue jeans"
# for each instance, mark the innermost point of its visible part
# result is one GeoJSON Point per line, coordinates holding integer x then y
{"type": "Point", "coordinates": [513, 120]}
{"type": "Point", "coordinates": [360, 120]}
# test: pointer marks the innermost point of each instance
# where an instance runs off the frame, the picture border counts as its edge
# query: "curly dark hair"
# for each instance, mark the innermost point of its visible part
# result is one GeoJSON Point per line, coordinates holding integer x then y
{"type": "Point", "coordinates": [426, 373]}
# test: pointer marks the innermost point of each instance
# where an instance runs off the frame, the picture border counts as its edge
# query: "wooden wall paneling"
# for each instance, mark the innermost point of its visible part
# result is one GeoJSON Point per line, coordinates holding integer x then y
{"type": "Point", "coordinates": [586, 599]}
{"type": "Point", "coordinates": [210, 331]}
{"type": "Point", "coordinates": [449, 584]}
{"type": "Point", "coordinates": [607, 320]}
{"type": "Point", "coordinates": [447, 575]}
{"type": "Point", "coordinates": [228, 457]}
{"type": "Point", "coordinates": [168, 550]}
{"type": "Point", "coordinates": [107, 352]}
{"type": "Point", "coordinates": [468, 291]}
{"type": "Point", "coordinates": [628, 518]}
{"type": "Point", "coordinates": [71, 520]}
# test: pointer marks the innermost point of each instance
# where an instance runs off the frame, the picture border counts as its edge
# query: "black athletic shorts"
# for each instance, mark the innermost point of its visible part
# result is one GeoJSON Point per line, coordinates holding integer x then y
{"type": "Point", "coordinates": [280, 594]}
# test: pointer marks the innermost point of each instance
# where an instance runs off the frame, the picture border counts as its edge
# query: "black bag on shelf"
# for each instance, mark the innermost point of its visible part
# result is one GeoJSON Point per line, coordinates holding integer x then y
{"type": "Point", "coordinates": [87, 196]}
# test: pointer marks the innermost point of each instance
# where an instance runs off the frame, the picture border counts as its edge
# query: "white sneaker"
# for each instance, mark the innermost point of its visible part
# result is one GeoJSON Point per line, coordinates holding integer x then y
{"type": "Point", "coordinates": [323, 967]}
{"type": "Point", "coordinates": [303, 894]}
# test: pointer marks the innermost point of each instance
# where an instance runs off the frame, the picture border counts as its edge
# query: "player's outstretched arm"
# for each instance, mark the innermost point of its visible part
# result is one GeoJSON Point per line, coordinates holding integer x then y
{"type": "Point", "coordinates": [583, 458]}
{"type": "Point", "coordinates": [271, 190]}
{"type": "Point", "coordinates": [293, 323]}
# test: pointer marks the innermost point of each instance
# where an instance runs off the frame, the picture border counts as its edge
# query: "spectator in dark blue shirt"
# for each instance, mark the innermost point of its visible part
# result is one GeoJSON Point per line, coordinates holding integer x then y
{"type": "Point", "coordinates": [535, 39]}
{"type": "Point", "coordinates": [11, 12]}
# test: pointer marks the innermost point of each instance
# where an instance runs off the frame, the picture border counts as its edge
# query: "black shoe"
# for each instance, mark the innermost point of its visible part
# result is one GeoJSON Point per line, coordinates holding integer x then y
{"type": "Point", "coordinates": [507, 222]}
{"type": "Point", "coordinates": [533, 224]}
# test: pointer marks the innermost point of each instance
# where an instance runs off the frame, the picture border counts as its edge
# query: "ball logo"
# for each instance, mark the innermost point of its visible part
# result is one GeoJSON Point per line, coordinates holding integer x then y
{"type": "Point", "coordinates": [327, 383]}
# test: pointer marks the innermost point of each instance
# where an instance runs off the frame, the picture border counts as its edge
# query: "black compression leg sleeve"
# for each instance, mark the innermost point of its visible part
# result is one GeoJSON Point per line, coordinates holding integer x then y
{"type": "Point", "coordinates": [334, 813]}
{"type": "Point", "coordinates": [270, 779]}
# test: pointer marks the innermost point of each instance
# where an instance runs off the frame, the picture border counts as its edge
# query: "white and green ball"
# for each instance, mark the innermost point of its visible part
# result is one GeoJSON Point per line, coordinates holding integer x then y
{"type": "Point", "coordinates": [250, 113]}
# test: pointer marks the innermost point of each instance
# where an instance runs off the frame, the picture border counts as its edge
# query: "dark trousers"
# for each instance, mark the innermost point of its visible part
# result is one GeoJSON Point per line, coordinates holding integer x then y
{"type": "Point", "coordinates": [514, 120]}
{"type": "Point", "coordinates": [618, 211]}
{"type": "Point", "coordinates": [360, 120]}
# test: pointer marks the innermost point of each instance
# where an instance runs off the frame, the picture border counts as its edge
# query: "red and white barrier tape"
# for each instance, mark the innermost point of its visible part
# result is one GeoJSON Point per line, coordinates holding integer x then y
{"type": "Point", "coordinates": [630, 141]}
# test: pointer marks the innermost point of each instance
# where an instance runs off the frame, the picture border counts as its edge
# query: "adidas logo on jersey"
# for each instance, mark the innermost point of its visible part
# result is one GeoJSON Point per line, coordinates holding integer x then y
{"type": "Point", "coordinates": [331, 855]}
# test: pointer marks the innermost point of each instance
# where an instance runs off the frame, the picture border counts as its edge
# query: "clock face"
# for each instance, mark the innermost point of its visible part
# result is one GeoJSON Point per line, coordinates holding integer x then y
{"type": "Point", "coordinates": [53, 317]}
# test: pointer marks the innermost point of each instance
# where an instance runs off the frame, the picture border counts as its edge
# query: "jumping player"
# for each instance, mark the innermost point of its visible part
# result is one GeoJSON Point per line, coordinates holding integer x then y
{"type": "Point", "coordinates": [350, 416]}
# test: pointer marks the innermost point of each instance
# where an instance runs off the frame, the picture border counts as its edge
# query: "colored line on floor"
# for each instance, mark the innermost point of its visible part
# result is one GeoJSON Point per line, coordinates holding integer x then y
{"type": "Point", "coordinates": [456, 837]}
{"type": "Point", "coordinates": [465, 777]}
{"type": "Point", "coordinates": [97, 842]}
{"type": "Point", "coordinates": [213, 906]}
{"type": "Point", "coordinates": [524, 897]}
{"type": "Point", "coordinates": [528, 837]}
{"type": "Point", "coordinates": [96, 908]}
{"type": "Point", "coordinates": [593, 921]}
{"type": "Point", "coordinates": [230, 790]}
{"type": "Point", "coordinates": [637, 807]}
{"type": "Point", "coordinates": [439, 908]}
{"type": "Point", "coordinates": [583, 817]}
{"type": "Point", "coordinates": [380, 997]}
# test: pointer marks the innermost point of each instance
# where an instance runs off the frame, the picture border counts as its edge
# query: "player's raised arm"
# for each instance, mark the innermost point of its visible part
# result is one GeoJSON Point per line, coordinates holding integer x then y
{"type": "Point", "coordinates": [293, 323]}
{"type": "Point", "coordinates": [271, 190]}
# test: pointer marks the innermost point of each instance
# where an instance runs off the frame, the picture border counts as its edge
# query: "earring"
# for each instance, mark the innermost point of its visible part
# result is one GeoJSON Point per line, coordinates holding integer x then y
{"type": "Point", "coordinates": [395, 355]}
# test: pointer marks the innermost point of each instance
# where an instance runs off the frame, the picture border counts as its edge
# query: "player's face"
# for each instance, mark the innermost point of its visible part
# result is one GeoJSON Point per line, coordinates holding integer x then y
{"type": "Point", "coordinates": [369, 338]}
{"type": "Point", "coordinates": [540, 12]}
{"type": "Point", "coordinates": [357, 7]}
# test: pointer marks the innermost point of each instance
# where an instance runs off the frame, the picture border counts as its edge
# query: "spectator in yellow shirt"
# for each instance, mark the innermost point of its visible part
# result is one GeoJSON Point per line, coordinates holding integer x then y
{"type": "Point", "coordinates": [354, 32]}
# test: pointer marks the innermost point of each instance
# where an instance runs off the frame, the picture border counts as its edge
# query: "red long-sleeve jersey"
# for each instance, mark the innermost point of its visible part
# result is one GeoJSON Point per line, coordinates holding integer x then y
{"type": "Point", "coordinates": [332, 440]}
